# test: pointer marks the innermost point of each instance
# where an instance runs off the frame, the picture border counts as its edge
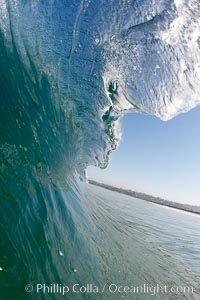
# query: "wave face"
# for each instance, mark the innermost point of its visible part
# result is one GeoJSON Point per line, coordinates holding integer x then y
{"type": "Point", "coordinates": [69, 70]}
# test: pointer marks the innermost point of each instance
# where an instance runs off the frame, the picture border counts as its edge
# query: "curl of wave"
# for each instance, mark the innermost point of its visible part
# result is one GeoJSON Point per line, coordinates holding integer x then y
{"type": "Point", "coordinates": [69, 70]}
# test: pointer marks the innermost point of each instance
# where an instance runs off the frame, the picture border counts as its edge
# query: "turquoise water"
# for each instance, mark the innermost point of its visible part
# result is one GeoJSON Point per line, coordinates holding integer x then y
{"type": "Point", "coordinates": [143, 242]}
{"type": "Point", "coordinates": [117, 240]}
{"type": "Point", "coordinates": [68, 71]}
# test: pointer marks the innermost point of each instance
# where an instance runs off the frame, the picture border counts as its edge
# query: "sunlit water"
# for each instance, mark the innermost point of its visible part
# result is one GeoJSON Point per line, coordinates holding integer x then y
{"type": "Point", "coordinates": [144, 242]}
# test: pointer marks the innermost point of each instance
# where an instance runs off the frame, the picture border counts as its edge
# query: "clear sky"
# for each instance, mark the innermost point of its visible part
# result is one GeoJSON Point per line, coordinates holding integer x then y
{"type": "Point", "coordinates": [156, 157]}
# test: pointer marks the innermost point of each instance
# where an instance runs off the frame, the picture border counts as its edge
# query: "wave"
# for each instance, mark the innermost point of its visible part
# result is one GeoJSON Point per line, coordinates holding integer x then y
{"type": "Point", "coordinates": [75, 68]}
{"type": "Point", "coordinates": [69, 70]}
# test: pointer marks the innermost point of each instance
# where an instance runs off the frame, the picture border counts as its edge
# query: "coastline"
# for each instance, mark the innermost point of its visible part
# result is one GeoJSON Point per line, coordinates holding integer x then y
{"type": "Point", "coordinates": [184, 207]}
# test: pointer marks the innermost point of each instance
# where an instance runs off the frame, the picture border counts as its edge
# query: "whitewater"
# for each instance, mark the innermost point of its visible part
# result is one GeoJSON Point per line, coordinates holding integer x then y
{"type": "Point", "coordinates": [69, 71]}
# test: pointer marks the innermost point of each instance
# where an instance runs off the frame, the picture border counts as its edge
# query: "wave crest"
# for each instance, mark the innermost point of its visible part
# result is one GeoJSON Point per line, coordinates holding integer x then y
{"type": "Point", "coordinates": [78, 67]}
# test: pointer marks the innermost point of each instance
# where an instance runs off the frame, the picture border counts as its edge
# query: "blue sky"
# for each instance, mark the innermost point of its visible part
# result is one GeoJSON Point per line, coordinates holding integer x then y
{"type": "Point", "coordinates": [156, 157]}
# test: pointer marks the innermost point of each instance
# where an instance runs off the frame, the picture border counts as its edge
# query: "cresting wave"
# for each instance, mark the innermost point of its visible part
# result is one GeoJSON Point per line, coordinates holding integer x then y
{"type": "Point", "coordinates": [69, 70]}
{"type": "Point", "coordinates": [76, 66]}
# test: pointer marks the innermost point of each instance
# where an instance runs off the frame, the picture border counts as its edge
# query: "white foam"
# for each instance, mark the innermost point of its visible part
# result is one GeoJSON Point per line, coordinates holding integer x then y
{"type": "Point", "coordinates": [61, 253]}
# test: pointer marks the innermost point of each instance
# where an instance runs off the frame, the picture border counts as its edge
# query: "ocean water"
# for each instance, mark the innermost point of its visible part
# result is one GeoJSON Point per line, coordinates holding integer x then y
{"type": "Point", "coordinates": [145, 243]}
{"type": "Point", "coordinates": [117, 240]}
{"type": "Point", "coordinates": [68, 71]}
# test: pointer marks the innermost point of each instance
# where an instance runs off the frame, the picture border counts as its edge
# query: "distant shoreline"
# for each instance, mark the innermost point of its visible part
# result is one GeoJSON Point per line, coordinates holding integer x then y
{"type": "Point", "coordinates": [185, 207]}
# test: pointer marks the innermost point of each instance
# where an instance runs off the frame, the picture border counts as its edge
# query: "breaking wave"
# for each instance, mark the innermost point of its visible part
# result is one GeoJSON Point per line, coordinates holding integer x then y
{"type": "Point", "coordinates": [69, 70]}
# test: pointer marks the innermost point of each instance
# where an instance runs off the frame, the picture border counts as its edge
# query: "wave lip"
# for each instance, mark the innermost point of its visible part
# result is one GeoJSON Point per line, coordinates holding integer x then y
{"type": "Point", "coordinates": [156, 60]}
{"type": "Point", "coordinates": [77, 72]}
